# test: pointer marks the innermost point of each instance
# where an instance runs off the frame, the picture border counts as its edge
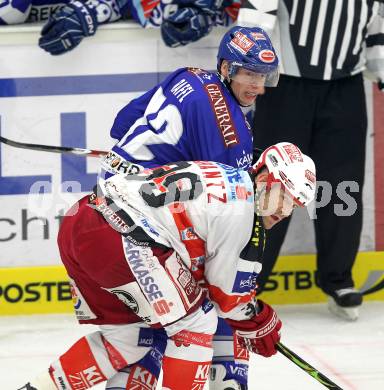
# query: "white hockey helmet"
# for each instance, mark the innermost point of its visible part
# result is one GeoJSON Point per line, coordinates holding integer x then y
{"type": "Point", "coordinates": [293, 169]}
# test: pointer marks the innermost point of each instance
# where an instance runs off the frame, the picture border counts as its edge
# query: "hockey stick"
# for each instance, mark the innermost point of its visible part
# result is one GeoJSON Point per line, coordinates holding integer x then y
{"type": "Point", "coordinates": [76, 151]}
{"type": "Point", "coordinates": [307, 367]}
{"type": "Point", "coordinates": [54, 149]}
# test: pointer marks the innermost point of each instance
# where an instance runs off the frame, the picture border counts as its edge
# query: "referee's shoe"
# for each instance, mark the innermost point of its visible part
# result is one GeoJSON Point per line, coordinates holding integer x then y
{"type": "Point", "coordinates": [345, 303]}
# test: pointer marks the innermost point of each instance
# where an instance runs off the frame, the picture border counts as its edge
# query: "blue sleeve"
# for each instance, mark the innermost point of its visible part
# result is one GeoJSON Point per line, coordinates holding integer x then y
{"type": "Point", "coordinates": [213, 138]}
{"type": "Point", "coordinates": [128, 115]}
{"type": "Point", "coordinates": [202, 131]}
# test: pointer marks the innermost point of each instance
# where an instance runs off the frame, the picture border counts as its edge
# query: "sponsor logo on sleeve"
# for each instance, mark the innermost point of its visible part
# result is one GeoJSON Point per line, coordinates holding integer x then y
{"type": "Point", "coordinates": [244, 282]}
{"type": "Point", "coordinates": [207, 305]}
{"type": "Point", "coordinates": [197, 263]}
{"type": "Point", "coordinates": [143, 264]}
{"type": "Point", "coordinates": [223, 116]}
{"type": "Point", "coordinates": [109, 214]}
{"type": "Point", "coordinates": [188, 234]}
{"type": "Point", "coordinates": [188, 283]}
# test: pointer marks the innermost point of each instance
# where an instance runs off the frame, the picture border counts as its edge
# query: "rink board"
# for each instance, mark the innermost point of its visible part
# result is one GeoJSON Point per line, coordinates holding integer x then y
{"type": "Point", "coordinates": [72, 100]}
{"type": "Point", "coordinates": [33, 290]}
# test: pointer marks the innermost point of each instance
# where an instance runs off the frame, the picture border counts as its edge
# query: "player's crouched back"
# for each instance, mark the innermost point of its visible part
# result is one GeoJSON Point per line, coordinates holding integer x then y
{"type": "Point", "coordinates": [144, 252]}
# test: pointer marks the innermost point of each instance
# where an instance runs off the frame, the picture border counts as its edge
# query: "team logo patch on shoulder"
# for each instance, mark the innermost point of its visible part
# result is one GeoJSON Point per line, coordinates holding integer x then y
{"type": "Point", "coordinates": [196, 70]}
{"type": "Point", "coordinates": [201, 74]}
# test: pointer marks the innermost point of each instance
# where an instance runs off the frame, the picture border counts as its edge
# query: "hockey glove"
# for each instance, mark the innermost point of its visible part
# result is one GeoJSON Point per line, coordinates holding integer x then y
{"type": "Point", "coordinates": [380, 85]}
{"type": "Point", "coordinates": [259, 334]}
{"type": "Point", "coordinates": [67, 27]}
{"type": "Point", "coordinates": [186, 25]}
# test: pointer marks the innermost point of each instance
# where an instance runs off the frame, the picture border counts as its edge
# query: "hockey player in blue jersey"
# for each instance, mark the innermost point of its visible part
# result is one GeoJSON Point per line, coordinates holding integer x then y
{"type": "Point", "coordinates": [197, 115]}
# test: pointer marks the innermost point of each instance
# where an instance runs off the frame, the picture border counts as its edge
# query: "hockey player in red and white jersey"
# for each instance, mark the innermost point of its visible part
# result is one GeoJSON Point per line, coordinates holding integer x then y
{"type": "Point", "coordinates": [156, 249]}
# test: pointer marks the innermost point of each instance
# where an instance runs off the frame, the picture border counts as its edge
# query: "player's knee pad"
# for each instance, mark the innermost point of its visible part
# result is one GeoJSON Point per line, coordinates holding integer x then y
{"type": "Point", "coordinates": [129, 341]}
{"type": "Point", "coordinates": [98, 356]}
{"type": "Point", "coordinates": [201, 322]}
{"type": "Point", "coordinates": [145, 373]}
{"type": "Point", "coordinates": [119, 381]}
{"type": "Point", "coordinates": [189, 350]}
{"type": "Point", "coordinates": [180, 374]}
{"type": "Point", "coordinates": [84, 365]}
{"type": "Point", "coordinates": [135, 377]}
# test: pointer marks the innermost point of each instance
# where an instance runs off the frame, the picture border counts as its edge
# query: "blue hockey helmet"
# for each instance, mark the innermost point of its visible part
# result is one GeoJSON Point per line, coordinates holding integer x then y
{"type": "Point", "coordinates": [249, 48]}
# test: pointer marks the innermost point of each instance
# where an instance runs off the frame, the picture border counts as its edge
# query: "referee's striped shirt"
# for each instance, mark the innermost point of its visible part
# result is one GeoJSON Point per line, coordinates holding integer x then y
{"type": "Point", "coordinates": [322, 39]}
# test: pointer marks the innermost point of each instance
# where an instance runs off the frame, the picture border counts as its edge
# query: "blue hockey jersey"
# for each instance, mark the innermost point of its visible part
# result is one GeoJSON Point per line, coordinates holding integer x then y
{"type": "Point", "coordinates": [191, 115]}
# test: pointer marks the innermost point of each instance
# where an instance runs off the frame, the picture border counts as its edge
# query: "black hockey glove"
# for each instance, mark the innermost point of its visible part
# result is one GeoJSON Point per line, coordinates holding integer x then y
{"type": "Point", "coordinates": [67, 27]}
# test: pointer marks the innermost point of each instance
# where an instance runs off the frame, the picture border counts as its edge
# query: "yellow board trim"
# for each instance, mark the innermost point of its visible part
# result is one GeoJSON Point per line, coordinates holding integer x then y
{"type": "Point", "coordinates": [293, 279]}
{"type": "Point", "coordinates": [36, 290]}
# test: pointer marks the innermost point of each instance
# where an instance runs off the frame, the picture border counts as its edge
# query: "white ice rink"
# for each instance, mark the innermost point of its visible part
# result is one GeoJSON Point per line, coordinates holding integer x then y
{"type": "Point", "coordinates": [350, 354]}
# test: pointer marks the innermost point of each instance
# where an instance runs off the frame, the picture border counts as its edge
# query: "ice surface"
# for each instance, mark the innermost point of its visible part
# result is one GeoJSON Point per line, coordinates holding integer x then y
{"type": "Point", "coordinates": [349, 353]}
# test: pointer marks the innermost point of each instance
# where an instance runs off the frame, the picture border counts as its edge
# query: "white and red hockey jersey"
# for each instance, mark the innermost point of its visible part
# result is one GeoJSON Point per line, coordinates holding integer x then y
{"type": "Point", "coordinates": [205, 212]}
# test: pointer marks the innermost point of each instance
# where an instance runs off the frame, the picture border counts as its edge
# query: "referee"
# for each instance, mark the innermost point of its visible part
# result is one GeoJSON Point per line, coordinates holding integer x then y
{"type": "Point", "coordinates": [319, 105]}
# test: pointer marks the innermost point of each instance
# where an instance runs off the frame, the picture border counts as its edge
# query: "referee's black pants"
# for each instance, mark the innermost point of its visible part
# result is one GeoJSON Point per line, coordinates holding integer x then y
{"type": "Point", "coordinates": [328, 121]}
